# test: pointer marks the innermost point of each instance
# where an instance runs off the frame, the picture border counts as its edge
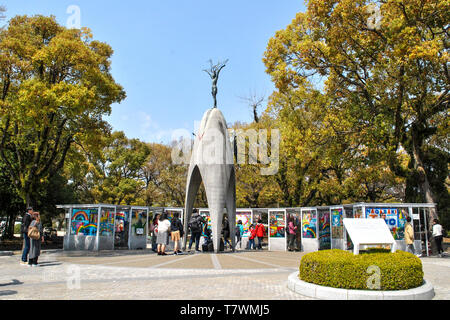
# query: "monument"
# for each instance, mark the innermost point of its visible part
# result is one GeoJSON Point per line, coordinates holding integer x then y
{"type": "Point", "coordinates": [212, 161]}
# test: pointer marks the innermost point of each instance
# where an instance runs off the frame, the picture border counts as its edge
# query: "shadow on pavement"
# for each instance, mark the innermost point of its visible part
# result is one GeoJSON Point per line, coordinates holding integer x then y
{"type": "Point", "coordinates": [49, 264]}
{"type": "Point", "coordinates": [7, 292]}
{"type": "Point", "coordinates": [14, 282]}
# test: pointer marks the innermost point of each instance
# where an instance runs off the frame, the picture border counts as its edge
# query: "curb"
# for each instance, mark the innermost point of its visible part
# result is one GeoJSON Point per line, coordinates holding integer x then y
{"type": "Point", "coordinates": [6, 253]}
{"type": "Point", "coordinates": [425, 292]}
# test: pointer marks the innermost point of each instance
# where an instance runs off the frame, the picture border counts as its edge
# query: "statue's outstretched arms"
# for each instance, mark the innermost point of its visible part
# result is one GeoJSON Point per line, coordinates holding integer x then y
{"type": "Point", "coordinates": [207, 71]}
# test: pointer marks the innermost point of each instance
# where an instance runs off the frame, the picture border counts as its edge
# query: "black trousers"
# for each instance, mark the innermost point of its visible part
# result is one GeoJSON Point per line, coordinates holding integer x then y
{"type": "Point", "coordinates": [438, 240]}
{"type": "Point", "coordinates": [291, 241]}
{"type": "Point", "coordinates": [195, 236]}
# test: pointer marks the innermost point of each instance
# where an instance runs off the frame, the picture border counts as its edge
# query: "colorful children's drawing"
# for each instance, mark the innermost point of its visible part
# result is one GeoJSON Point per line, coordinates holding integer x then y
{"type": "Point", "coordinates": [372, 213]}
{"type": "Point", "coordinates": [138, 222]}
{"type": "Point", "coordinates": [309, 224]}
{"type": "Point", "coordinates": [394, 218]}
{"type": "Point", "coordinates": [337, 223]}
{"type": "Point", "coordinates": [107, 222]}
{"type": "Point", "coordinates": [324, 230]}
{"type": "Point", "coordinates": [84, 222]}
{"type": "Point", "coordinates": [277, 224]}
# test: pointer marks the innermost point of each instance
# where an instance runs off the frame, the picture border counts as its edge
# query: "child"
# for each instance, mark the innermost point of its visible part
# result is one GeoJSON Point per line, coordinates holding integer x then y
{"type": "Point", "coordinates": [252, 237]}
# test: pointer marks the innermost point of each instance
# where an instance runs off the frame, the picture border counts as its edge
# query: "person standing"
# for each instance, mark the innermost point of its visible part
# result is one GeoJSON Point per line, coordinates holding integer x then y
{"type": "Point", "coordinates": [154, 231]}
{"type": "Point", "coordinates": [260, 231]}
{"type": "Point", "coordinates": [226, 233]}
{"type": "Point", "coordinates": [291, 234]}
{"type": "Point", "coordinates": [26, 220]}
{"type": "Point", "coordinates": [239, 232]}
{"type": "Point", "coordinates": [298, 235]}
{"type": "Point", "coordinates": [409, 236]}
{"type": "Point", "coordinates": [35, 244]}
{"type": "Point", "coordinates": [437, 235]}
{"type": "Point", "coordinates": [163, 234]}
{"type": "Point", "coordinates": [196, 226]}
{"type": "Point", "coordinates": [176, 228]}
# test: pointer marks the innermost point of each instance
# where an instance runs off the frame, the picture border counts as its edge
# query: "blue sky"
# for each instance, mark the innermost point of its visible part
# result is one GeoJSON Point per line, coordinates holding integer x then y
{"type": "Point", "coordinates": [162, 46]}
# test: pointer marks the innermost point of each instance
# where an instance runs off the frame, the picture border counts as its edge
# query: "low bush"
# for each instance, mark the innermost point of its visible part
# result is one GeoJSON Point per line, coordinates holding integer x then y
{"type": "Point", "coordinates": [341, 269]}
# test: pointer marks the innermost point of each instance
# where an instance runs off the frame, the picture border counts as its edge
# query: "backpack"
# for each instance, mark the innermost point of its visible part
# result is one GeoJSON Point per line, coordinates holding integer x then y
{"type": "Point", "coordinates": [195, 224]}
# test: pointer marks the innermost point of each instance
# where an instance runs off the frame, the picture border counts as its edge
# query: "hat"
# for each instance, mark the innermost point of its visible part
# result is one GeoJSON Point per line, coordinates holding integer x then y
{"type": "Point", "coordinates": [29, 208]}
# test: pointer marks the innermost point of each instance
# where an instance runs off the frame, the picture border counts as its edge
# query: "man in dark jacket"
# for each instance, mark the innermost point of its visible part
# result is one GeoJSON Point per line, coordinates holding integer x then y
{"type": "Point", "coordinates": [226, 232]}
{"type": "Point", "coordinates": [196, 225]}
{"type": "Point", "coordinates": [26, 221]}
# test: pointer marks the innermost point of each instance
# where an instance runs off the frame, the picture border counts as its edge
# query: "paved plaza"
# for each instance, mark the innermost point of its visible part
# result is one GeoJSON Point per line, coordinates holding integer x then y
{"type": "Point", "coordinates": [145, 275]}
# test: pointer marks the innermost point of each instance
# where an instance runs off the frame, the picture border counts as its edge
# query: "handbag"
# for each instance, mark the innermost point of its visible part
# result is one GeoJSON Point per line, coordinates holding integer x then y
{"type": "Point", "coordinates": [33, 233]}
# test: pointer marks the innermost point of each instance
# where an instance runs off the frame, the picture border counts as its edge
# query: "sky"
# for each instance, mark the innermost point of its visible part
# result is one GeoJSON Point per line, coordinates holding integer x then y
{"type": "Point", "coordinates": [162, 46]}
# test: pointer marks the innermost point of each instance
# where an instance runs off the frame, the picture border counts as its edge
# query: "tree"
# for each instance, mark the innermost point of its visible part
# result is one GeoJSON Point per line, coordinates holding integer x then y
{"type": "Point", "coordinates": [254, 101]}
{"type": "Point", "coordinates": [111, 175]}
{"type": "Point", "coordinates": [392, 80]}
{"type": "Point", "coordinates": [10, 203]}
{"type": "Point", "coordinates": [55, 86]}
{"type": "Point", "coordinates": [254, 190]}
{"type": "Point", "coordinates": [165, 181]}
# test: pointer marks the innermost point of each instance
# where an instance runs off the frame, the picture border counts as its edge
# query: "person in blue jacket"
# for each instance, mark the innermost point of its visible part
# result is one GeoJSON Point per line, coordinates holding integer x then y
{"type": "Point", "coordinates": [239, 232]}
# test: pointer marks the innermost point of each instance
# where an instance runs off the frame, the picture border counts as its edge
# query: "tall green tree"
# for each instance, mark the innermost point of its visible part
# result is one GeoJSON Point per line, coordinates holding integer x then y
{"type": "Point", "coordinates": [55, 87]}
{"type": "Point", "coordinates": [111, 174]}
{"type": "Point", "coordinates": [391, 77]}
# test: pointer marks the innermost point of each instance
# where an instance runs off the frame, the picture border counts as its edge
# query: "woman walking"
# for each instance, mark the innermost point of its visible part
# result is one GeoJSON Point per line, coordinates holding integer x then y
{"type": "Point", "coordinates": [162, 238]}
{"type": "Point", "coordinates": [35, 245]}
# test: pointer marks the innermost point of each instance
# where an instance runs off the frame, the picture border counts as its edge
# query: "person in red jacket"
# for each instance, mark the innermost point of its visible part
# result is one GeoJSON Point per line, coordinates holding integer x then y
{"type": "Point", "coordinates": [251, 239]}
{"type": "Point", "coordinates": [260, 231]}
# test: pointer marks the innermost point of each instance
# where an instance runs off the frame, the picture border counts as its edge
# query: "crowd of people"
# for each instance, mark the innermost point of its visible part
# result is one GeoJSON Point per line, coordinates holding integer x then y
{"type": "Point", "coordinates": [162, 229]}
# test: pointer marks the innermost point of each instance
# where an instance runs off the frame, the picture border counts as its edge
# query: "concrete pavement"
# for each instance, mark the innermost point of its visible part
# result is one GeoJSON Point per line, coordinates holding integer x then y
{"type": "Point", "coordinates": [145, 275]}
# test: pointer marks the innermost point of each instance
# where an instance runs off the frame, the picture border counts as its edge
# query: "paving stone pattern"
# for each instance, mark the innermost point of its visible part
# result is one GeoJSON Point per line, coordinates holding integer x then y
{"type": "Point", "coordinates": [145, 275]}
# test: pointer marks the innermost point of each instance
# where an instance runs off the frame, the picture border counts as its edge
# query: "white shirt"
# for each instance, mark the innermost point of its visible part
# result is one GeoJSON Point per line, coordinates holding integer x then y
{"type": "Point", "coordinates": [163, 226]}
{"type": "Point", "coordinates": [437, 230]}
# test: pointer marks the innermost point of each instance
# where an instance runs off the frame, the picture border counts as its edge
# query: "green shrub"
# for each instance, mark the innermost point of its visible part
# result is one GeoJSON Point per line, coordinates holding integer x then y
{"type": "Point", "coordinates": [341, 269]}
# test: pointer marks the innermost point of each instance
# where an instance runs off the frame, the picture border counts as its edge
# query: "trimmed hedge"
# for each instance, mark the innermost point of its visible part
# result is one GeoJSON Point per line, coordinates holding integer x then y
{"type": "Point", "coordinates": [341, 269]}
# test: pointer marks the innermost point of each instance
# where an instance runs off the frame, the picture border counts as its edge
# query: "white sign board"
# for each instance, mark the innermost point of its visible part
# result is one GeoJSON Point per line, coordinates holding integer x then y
{"type": "Point", "coordinates": [369, 232]}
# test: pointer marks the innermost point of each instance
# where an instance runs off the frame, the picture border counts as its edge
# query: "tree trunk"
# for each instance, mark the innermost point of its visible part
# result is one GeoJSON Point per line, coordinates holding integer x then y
{"type": "Point", "coordinates": [9, 228]}
{"type": "Point", "coordinates": [28, 200]}
{"type": "Point", "coordinates": [423, 182]}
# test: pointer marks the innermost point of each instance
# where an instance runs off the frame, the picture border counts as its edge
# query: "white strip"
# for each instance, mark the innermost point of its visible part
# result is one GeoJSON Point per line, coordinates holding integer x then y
{"type": "Point", "coordinates": [215, 261]}
{"type": "Point", "coordinates": [262, 262]}
{"type": "Point", "coordinates": [172, 261]}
